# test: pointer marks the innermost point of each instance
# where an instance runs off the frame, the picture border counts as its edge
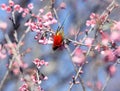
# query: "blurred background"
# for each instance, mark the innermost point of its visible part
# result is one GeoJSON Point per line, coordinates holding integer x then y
{"type": "Point", "coordinates": [60, 69]}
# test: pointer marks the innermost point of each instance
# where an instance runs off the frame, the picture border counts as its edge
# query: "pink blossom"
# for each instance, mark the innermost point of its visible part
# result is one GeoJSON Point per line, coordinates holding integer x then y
{"type": "Point", "coordinates": [91, 23]}
{"type": "Point", "coordinates": [88, 41]}
{"type": "Point", "coordinates": [40, 25]}
{"type": "Point", "coordinates": [3, 6]}
{"type": "Point", "coordinates": [24, 15]}
{"type": "Point", "coordinates": [3, 25]}
{"type": "Point", "coordinates": [111, 70]}
{"type": "Point", "coordinates": [78, 57]}
{"type": "Point", "coordinates": [10, 46]}
{"type": "Point", "coordinates": [49, 41]}
{"type": "Point", "coordinates": [108, 55]}
{"type": "Point", "coordinates": [54, 21]}
{"type": "Point", "coordinates": [97, 47]}
{"type": "Point", "coordinates": [11, 3]}
{"type": "Point", "coordinates": [44, 40]}
{"type": "Point", "coordinates": [88, 23]}
{"type": "Point", "coordinates": [26, 10]}
{"type": "Point", "coordinates": [33, 26]}
{"type": "Point", "coordinates": [20, 10]}
{"type": "Point", "coordinates": [41, 11]}
{"type": "Point", "coordinates": [105, 38]}
{"type": "Point", "coordinates": [2, 56]}
{"type": "Point", "coordinates": [89, 84]}
{"type": "Point", "coordinates": [39, 62]}
{"type": "Point", "coordinates": [115, 35]}
{"type": "Point", "coordinates": [8, 9]}
{"type": "Point", "coordinates": [16, 66]}
{"type": "Point", "coordinates": [30, 6]}
{"type": "Point", "coordinates": [24, 87]}
{"type": "Point", "coordinates": [28, 23]}
{"type": "Point", "coordinates": [49, 15]}
{"type": "Point", "coordinates": [116, 26]}
{"type": "Point", "coordinates": [23, 65]}
{"type": "Point", "coordinates": [39, 88]}
{"type": "Point", "coordinates": [17, 7]}
{"type": "Point", "coordinates": [45, 78]}
{"type": "Point", "coordinates": [78, 51]}
{"type": "Point", "coordinates": [39, 19]}
{"type": "Point", "coordinates": [36, 79]}
{"type": "Point", "coordinates": [47, 23]}
{"type": "Point", "coordinates": [45, 17]}
{"type": "Point", "coordinates": [117, 51]}
{"type": "Point", "coordinates": [105, 41]}
{"type": "Point", "coordinates": [99, 85]}
{"type": "Point", "coordinates": [63, 5]}
{"type": "Point", "coordinates": [2, 53]}
{"type": "Point", "coordinates": [16, 71]}
{"type": "Point", "coordinates": [93, 20]}
{"type": "Point", "coordinates": [94, 16]}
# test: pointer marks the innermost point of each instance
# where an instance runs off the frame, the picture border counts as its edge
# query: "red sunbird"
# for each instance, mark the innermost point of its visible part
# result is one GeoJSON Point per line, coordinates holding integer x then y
{"type": "Point", "coordinates": [58, 38]}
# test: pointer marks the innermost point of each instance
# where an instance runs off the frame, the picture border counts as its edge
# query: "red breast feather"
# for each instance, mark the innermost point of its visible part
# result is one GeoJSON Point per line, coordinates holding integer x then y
{"type": "Point", "coordinates": [57, 41]}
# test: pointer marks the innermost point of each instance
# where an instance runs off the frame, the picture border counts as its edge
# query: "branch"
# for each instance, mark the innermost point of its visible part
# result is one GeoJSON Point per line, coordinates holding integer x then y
{"type": "Point", "coordinates": [109, 9]}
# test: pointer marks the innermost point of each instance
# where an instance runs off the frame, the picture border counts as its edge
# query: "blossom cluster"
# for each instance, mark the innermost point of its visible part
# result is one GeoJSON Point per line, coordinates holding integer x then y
{"type": "Point", "coordinates": [35, 77]}
{"type": "Point", "coordinates": [39, 62]}
{"type": "Point", "coordinates": [41, 24]}
{"type": "Point", "coordinates": [17, 8]}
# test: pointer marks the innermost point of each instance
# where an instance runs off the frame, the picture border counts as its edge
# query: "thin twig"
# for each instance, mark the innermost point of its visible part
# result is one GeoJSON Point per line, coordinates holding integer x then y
{"type": "Point", "coordinates": [108, 77]}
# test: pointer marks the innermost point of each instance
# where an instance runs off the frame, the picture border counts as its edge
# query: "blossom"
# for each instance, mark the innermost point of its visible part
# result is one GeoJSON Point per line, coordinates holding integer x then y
{"type": "Point", "coordinates": [94, 16]}
{"type": "Point", "coordinates": [45, 41]}
{"type": "Point", "coordinates": [41, 11]}
{"type": "Point", "coordinates": [35, 79]}
{"type": "Point", "coordinates": [11, 3]}
{"type": "Point", "coordinates": [30, 6]}
{"type": "Point", "coordinates": [78, 57]}
{"type": "Point", "coordinates": [105, 38]}
{"type": "Point", "coordinates": [89, 41]}
{"type": "Point", "coordinates": [111, 70]}
{"type": "Point", "coordinates": [8, 9]}
{"type": "Point", "coordinates": [98, 85]}
{"type": "Point", "coordinates": [108, 55]}
{"type": "Point", "coordinates": [16, 67]}
{"type": "Point", "coordinates": [117, 51]}
{"type": "Point", "coordinates": [93, 20]}
{"type": "Point", "coordinates": [2, 52]}
{"type": "Point", "coordinates": [39, 62]}
{"type": "Point", "coordinates": [63, 5]}
{"type": "Point", "coordinates": [26, 10]}
{"type": "Point", "coordinates": [97, 47]}
{"type": "Point", "coordinates": [89, 84]}
{"type": "Point", "coordinates": [115, 36]}
{"type": "Point", "coordinates": [116, 26]}
{"type": "Point", "coordinates": [24, 87]}
{"type": "Point", "coordinates": [17, 7]}
{"type": "Point", "coordinates": [90, 23]}
{"type": "Point", "coordinates": [3, 25]}
{"type": "Point", "coordinates": [3, 6]}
